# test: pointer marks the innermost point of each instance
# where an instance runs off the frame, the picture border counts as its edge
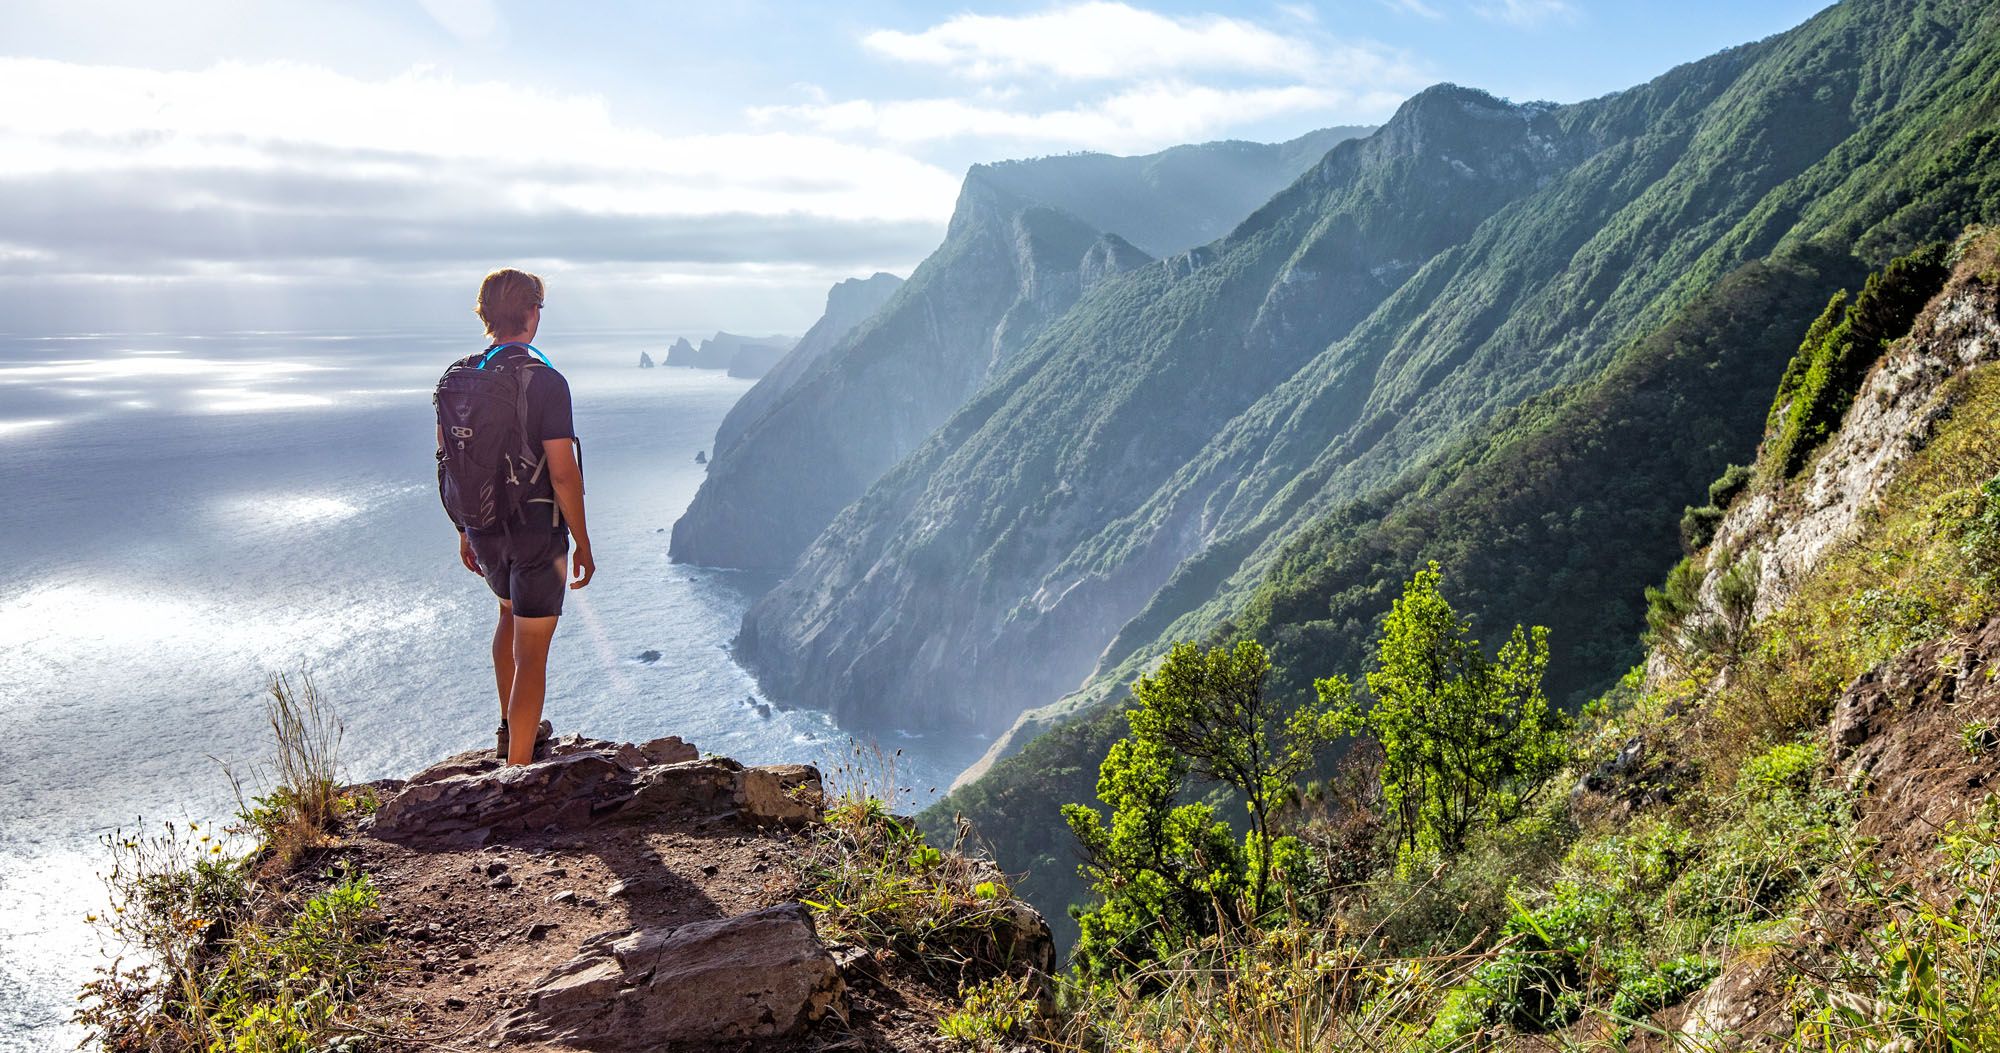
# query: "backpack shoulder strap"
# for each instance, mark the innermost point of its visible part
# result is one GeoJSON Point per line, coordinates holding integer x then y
{"type": "Point", "coordinates": [497, 348]}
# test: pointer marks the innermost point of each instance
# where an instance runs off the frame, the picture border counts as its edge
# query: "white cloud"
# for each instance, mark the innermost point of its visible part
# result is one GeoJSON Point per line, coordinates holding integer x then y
{"type": "Point", "coordinates": [508, 146]}
{"type": "Point", "coordinates": [1159, 80]}
{"type": "Point", "coordinates": [1525, 12]}
{"type": "Point", "coordinates": [1098, 40]}
{"type": "Point", "coordinates": [1140, 118]}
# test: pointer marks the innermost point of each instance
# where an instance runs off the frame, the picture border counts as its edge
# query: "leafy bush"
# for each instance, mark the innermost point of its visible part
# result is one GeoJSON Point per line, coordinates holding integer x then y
{"type": "Point", "coordinates": [1466, 741]}
{"type": "Point", "coordinates": [1787, 768]}
{"type": "Point", "coordinates": [1729, 485]}
{"type": "Point", "coordinates": [1979, 537]}
{"type": "Point", "coordinates": [1698, 527]}
{"type": "Point", "coordinates": [1165, 872]}
{"type": "Point", "coordinates": [1822, 379]}
{"type": "Point", "coordinates": [991, 1011]}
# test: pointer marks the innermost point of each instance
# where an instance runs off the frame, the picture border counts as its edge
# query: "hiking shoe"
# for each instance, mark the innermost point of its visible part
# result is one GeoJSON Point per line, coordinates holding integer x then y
{"type": "Point", "coordinates": [542, 734]}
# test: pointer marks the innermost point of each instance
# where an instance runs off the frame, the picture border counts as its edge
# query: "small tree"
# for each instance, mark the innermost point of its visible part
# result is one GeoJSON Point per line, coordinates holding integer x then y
{"type": "Point", "coordinates": [1466, 741]}
{"type": "Point", "coordinates": [1158, 869]}
{"type": "Point", "coordinates": [1202, 714]}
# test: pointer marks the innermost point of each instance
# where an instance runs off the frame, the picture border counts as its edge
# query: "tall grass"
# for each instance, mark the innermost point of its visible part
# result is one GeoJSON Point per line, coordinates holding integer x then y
{"type": "Point", "coordinates": [305, 803]}
{"type": "Point", "coordinates": [215, 949]}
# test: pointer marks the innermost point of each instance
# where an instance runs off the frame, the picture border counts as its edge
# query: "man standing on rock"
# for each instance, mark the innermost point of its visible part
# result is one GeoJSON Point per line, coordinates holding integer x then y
{"type": "Point", "coordinates": [510, 475]}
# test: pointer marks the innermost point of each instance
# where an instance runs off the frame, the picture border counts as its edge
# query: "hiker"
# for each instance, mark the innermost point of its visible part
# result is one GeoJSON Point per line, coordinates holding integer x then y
{"type": "Point", "coordinates": [510, 474]}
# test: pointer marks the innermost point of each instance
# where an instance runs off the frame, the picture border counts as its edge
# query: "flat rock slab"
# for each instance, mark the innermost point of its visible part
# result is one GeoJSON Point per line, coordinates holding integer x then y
{"type": "Point", "coordinates": [758, 975]}
{"type": "Point", "coordinates": [472, 799]}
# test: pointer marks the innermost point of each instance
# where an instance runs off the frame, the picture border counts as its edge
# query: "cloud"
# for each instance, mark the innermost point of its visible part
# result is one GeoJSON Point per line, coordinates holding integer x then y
{"type": "Point", "coordinates": [1141, 118]}
{"type": "Point", "coordinates": [281, 172]}
{"type": "Point", "coordinates": [1156, 80]}
{"type": "Point", "coordinates": [1096, 41]}
{"type": "Point", "coordinates": [1526, 12]}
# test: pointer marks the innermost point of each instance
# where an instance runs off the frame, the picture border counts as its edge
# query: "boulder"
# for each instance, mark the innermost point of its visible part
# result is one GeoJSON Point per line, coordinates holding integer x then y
{"type": "Point", "coordinates": [470, 799]}
{"type": "Point", "coordinates": [759, 975]}
{"type": "Point", "coordinates": [468, 807]}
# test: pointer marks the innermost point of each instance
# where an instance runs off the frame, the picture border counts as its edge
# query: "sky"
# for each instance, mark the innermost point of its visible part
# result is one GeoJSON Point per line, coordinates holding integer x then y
{"type": "Point", "coordinates": [224, 165]}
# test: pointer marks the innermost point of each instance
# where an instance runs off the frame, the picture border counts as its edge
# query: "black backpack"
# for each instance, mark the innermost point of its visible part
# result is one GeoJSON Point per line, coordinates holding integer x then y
{"type": "Point", "coordinates": [488, 470]}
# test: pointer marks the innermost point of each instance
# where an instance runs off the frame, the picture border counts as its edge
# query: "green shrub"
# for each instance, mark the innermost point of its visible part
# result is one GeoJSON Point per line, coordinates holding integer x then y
{"type": "Point", "coordinates": [1166, 872]}
{"type": "Point", "coordinates": [990, 1011]}
{"type": "Point", "coordinates": [1787, 768]}
{"type": "Point", "coordinates": [1822, 379]}
{"type": "Point", "coordinates": [1979, 537]}
{"type": "Point", "coordinates": [1467, 741]}
{"type": "Point", "coordinates": [1668, 606]}
{"type": "Point", "coordinates": [1729, 485]}
{"type": "Point", "coordinates": [1698, 527]}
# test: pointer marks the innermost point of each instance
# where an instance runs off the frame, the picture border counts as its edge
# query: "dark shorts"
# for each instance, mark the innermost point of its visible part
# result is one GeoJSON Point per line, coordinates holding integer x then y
{"type": "Point", "coordinates": [523, 568]}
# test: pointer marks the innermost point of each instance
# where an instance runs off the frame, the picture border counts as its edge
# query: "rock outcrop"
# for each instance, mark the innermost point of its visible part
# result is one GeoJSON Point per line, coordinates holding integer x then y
{"type": "Point", "coordinates": [742, 356]}
{"type": "Point", "coordinates": [1787, 530]}
{"type": "Point", "coordinates": [759, 975]}
{"type": "Point", "coordinates": [645, 360]}
{"type": "Point", "coordinates": [613, 896]}
{"type": "Point", "coordinates": [848, 304]}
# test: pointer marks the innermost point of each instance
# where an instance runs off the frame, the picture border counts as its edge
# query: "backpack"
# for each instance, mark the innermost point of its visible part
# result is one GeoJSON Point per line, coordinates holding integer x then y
{"type": "Point", "coordinates": [488, 470]}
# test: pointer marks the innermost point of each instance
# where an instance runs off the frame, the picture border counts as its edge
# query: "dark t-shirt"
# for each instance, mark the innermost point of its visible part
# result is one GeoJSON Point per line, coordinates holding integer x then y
{"type": "Point", "coordinates": [549, 417]}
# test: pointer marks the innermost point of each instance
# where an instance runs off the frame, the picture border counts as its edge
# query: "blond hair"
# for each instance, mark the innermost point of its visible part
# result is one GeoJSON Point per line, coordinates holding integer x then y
{"type": "Point", "coordinates": [505, 298]}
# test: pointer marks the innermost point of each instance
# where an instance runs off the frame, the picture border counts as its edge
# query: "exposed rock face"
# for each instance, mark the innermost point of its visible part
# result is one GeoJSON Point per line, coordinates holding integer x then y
{"type": "Point", "coordinates": [645, 360]}
{"type": "Point", "coordinates": [742, 356]}
{"type": "Point", "coordinates": [761, 975]}
{"type": "Point", "coordinates": [1022, 247]}
{"type": "Point", "coordinates": [471, 798]}
{"type": "Point", "coordinates": [1892, 418]}
{"type": "Point", "coordinates": [614, 896]}
{"type": "Point", "coordinates": [848, 304]}
{"type": "Point", "coordinates": [681, 353]}
{"type": "Point", "coordinates": [989, 570]}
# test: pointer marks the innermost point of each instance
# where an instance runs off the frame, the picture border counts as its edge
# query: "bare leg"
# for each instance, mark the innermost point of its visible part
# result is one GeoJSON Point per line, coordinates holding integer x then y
{"type": "Point", "coordinates": [531, 682]}
{"type": "Point", "coordinates": [503, 656]}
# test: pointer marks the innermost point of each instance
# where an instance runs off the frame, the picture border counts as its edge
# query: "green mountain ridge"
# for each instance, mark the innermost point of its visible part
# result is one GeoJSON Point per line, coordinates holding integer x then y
{"type": "Point", "coordinates": [1026, 240]}
{"type": "Point", "coordinates": [1119, 393]}
{"type": "Point", "coordinates": [1907, 156]}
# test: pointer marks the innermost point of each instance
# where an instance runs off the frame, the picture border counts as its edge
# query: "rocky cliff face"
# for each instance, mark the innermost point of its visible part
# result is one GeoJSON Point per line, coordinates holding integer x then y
{"type": "Point", "coordinates": [622, 897]}
{"type": "Point", "coordinates": [1784, 531]}
{"type": "Point", "coordinates": [1008, 267]}
{"type": "Point", "coordinates": [743, 356]}
{"type": "Point", "coordinates": [1018, 253]}
{"type": "Point", "coordinates": [1487, 253]}
{"type": "Point", "coordinates": [848, 304]}
{"type": "Point", "coordinates": [986, 570]}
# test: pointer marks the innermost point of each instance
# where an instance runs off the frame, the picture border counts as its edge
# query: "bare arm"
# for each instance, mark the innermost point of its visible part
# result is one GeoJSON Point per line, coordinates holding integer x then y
{"type": "Point", "coordinates": [567, 478]}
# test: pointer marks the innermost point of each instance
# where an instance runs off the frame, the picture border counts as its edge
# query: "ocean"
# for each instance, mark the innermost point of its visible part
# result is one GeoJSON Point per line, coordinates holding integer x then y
{"type": "Point", "coordinates": [187, 517]}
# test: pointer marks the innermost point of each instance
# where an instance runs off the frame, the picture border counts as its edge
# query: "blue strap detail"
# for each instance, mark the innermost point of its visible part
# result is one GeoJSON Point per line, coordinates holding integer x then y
{"type": "Point", "coordinates": [497, 348]}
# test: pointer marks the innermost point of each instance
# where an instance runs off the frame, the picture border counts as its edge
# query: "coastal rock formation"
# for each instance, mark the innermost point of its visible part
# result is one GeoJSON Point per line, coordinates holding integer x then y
{"type": "Point", "coordinates": [848, 304]}
{"type": "Point", "coordinates": [681, 353]}
{"type": "Point", "coordinates": [619, 896]}
{"type": "Point", "coordinates": [645, 360]}
{"type": "Point", "coordinates": [1013, 262]}
{"type": "Point", "coordinates": [742, 356]}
